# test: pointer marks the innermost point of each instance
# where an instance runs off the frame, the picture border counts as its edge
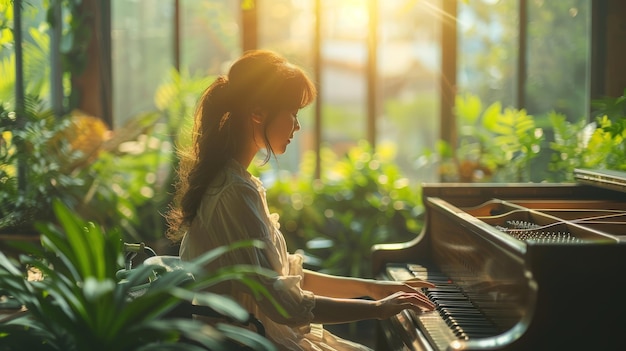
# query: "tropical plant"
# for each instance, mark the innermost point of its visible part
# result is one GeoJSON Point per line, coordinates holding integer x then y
{"type": "Point", "coordinates": [104, 175]}
{"type": "Point", "coordinates": [36, 144]}
{"type": "Point", "coordinates": [118, 177]}
{"type": "Point", "coordinates": [79, 304]}
{"type": "Point", "coordinates": [72, 156]}
{"type": "Point", "coordinates": [612, 107]}
{"type": "Point", "coordinates": [599, 144]}
{"type": "Point", "coordinates": [494, 144]}
{"type": "Point", "coordinates": [569, 146]}
{"type": "Point", "coordinates": [361, 200]}
{"type": "Point", "coordinates": [35, 45]}
{"type": "Point", "coordinates": [125, 182]}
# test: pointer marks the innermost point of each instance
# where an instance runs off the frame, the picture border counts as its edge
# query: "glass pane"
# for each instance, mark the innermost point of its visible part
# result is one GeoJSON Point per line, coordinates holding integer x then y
{"type": "Point", "coordinates": [408, 73]}
{"type": "Point", "coordinates": [142, 53]}
{"type": "Point", "coordinates": [143, 47]}
{"type": "Point", "coordinates": [287, 27]}
{"type": "Point", "coordinates": [344, 73]}
{"type": "Point", "coordinates": [35, 52]}
{"type": "Point", "coordinates": [487, 49]}
{"type": "Point", "coordinates": [558, 57]}
{"type": "Point", "coordinates": [210, 35]}
{"type": "Point", "coordinates": [557, 80]}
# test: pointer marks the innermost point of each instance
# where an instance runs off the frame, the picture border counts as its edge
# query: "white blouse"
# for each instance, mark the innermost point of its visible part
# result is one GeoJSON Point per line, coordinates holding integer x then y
{"type": "Point", "coordinates": [234, 209]}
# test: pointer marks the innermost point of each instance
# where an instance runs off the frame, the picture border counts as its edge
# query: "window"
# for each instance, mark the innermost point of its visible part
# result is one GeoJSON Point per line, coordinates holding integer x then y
{"type": "Point", "coordinates": [142, 55]}
{"type": "Point", "coordinates": [378, 63]}
{"type": "Point", "coordinates": [532, 55]}
{"type": "Point", "coordinates": [406, 72]}
{"type": "Point", "coordinates": [548, 66]}
{"type": "Point", "coordinates": [147, 45]}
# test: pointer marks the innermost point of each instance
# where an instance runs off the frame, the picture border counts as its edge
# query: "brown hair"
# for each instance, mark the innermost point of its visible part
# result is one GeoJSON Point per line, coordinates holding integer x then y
{"type": "Point", "coordinates": [260, 79]}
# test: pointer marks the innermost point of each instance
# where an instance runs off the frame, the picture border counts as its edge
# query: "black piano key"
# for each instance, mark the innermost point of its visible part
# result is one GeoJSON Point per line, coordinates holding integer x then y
{"type": "Point", "coordinates": [470, 326]}
{"type": "Point", "coordinates": [446, 296]}
{"type": "Point", "coordinates": [460, 333]}
{"type": "Point", "coordinates": [469, 333]}
{"type": "Point", "coordinates": [477, 320]}
{"type": "Point", "coordinates": [473, 328]}
{"type": "Point", "coordinates": [459, 311]}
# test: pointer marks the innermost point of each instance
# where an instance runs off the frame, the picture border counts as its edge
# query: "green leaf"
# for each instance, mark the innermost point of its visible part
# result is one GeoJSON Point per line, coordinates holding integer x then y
{"type": "Point", "coordinates": [468, 108]}
{"type": "Point", "coordinates": [222, 304]}
{"type": "Point", "coordinates": [94, 289]}
{"type": "Point", "coordinates": [246, 337]}
{"type": "Point", "coordinates": [75, 234]}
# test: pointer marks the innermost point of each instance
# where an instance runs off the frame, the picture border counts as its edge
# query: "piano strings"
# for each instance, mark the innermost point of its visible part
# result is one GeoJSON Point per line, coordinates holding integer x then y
{"type": "Point", "coordinates": [529, 231]}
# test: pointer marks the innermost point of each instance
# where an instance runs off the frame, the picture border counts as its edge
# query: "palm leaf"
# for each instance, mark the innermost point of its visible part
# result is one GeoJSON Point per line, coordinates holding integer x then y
{"type": "Point", "coordinates": [80, 304]}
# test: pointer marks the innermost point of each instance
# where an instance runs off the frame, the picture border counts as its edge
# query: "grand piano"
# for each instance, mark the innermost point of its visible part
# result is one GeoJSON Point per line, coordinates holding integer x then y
{"type": "Point", "coordinates": [517, 267]}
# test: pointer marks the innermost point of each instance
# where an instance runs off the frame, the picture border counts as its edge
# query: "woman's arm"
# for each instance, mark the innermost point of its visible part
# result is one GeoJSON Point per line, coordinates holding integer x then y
{"type": "Point", "coordinates": [329, 310]}
{"type": "Point", "coordinates": [334, 286]}
{"type": "Point", "coordinates": [335, 297]}
{"type": "Point", "coordinates": [348, 287]}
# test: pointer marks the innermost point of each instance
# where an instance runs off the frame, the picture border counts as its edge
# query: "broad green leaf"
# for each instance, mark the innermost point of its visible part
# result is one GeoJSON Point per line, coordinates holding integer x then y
{"type": "Point", "coordinates": [222, 304]}
{"type": "Point", "coordinates": [491, 116]}
{"type": "Point", "coordinates": [468, 108]}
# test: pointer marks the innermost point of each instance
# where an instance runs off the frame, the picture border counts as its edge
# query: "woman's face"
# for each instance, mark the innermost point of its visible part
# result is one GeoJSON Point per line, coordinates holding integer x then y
{"type": "Point", "coordinates": [280, 130]}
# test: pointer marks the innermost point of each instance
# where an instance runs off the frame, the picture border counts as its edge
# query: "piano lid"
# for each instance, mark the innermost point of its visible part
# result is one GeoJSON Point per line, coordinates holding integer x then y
{"type": "Point", "coordinates": [602, 178]}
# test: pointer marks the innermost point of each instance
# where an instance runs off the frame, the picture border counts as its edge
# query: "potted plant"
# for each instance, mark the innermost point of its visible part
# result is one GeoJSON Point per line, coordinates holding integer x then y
{"type": "Point", "coordinates": [80, 303]}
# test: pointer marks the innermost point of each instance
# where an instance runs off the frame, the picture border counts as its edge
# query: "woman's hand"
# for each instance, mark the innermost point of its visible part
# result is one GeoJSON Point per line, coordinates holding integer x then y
{"type": "Point", "coordinates": [389, 299]}
{"type": "Point", "coordinates": [406, 291]}
{"type": "Point", "coordinates": [399, 301]}
{"type": "Point", "coordinates": [379, 289]}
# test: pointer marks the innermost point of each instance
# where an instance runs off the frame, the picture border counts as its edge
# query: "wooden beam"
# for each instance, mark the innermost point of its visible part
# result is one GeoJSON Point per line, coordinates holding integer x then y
{"type": "Point", "coordinates": [522, 45]}
{"type": "Point", "coordinates": [20, 117]}
{"type": "Point", "coordinates": [372, 75]}
{"type": "Point", "coordinates": [448, 73]}
{"type": "Point", "coordinates": [317, 72]}
{"type": "Point", "coordinates": [94, 83]}
{"type": "Point", "coordinates": [615, 48]}
{"type": "Point", "coordinates": [249, 39]}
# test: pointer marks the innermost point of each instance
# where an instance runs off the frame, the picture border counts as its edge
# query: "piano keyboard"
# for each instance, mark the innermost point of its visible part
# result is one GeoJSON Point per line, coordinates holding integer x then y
{"type": "Point", "coordinates": [455, 316]}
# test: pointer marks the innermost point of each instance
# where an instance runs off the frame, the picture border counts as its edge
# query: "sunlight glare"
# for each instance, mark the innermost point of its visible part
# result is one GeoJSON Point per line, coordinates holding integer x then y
{"type": "Point", "coordinates": [353, 16]}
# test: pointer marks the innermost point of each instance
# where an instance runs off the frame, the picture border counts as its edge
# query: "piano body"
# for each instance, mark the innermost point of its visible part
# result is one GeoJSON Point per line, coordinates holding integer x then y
{"type": "Point", "coordinates": [517, 267]}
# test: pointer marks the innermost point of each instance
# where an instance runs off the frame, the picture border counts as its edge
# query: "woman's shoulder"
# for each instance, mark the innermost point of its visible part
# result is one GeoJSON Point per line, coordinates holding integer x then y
{"type": "Point", "coordinates": [238, 176]}
{"type": "Point", "coordinates": [235, 180]}
{"type": "Point", "coordinates": [230, 190]}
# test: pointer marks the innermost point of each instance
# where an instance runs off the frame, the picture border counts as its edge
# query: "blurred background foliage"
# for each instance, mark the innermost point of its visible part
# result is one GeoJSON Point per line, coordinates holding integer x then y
{"type": "Point", "coordinates": [120, 177]}
{"type": "Point", "coordinates": [360, 200]}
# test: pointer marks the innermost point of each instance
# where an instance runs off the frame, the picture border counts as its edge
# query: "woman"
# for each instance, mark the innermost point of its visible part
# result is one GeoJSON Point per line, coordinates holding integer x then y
{"type": "Point", "coordinates": [255, 107]}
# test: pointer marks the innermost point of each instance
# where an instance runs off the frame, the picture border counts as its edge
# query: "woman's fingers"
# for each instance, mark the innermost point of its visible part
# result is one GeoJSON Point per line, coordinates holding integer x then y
{"type": "Point", "coordinates": [399, 301]}
{"type": "Point", "coordinates": [418, 283]}
{"type": "Point", "coordinates": [411, 287]}
{"type": "Point", "coordinates": [424, 301]}
{"type": "Point", "coordinates": [414, 299]}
